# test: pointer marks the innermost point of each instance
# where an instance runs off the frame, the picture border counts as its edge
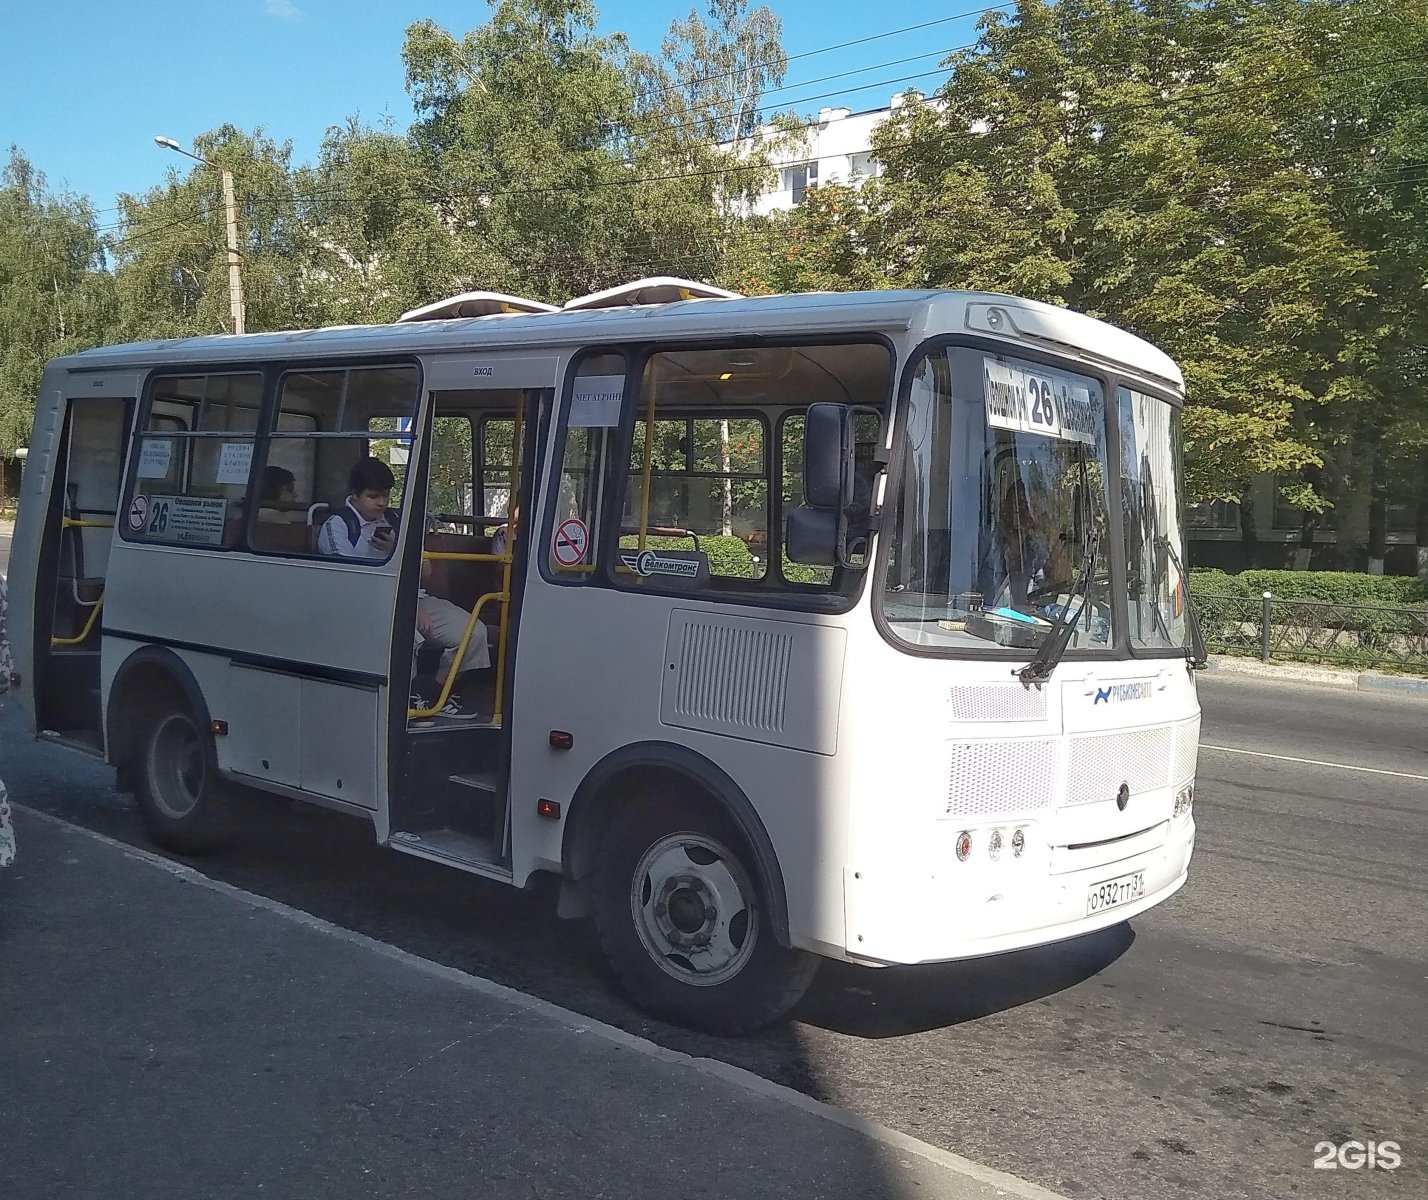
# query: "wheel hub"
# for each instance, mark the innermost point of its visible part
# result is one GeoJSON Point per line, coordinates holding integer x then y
{"type": "Point", "coordinates": [694, 908]}
{"type": "Point", "coordinates": [686, 911]}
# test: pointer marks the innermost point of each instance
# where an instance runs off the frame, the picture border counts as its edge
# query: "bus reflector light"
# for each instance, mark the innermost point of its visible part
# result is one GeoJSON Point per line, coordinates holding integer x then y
{"type": "Point", "coordinates": [1184, 799]}
{"type": "Point", "coordinates": [1018, 843]}
{"type": "Point", "coordinates": [220, 728]}
{"type": "Point", "coordinates": [550, 809]}
{"type": "Point", "coordinates": [560, 740]}
{"type": "Point", "coordinates": [994, 845]}
{"type": "Point", "coordinates": [964, 846]}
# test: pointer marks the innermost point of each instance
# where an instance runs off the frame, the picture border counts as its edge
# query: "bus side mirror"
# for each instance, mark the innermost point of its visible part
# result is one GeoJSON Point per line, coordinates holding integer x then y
{"type": "Point", "coordinates": [811, 536]}
{"type": "Point", "coordinates": [827, 457]}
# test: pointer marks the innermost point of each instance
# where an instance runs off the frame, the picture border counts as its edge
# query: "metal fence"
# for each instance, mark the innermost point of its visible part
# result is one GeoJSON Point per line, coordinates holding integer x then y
{"type": "Point", "coordinates": [1356, 635]}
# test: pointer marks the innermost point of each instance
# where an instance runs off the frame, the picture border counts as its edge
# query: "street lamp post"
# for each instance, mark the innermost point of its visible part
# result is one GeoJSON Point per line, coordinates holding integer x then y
{"type": "Point", "coordinates": [235, 277]}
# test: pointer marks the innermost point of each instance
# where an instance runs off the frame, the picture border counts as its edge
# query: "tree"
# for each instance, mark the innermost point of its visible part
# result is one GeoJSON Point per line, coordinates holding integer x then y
{"type": "Point", "coordinates": [1121, 158]}
{"type": "Point", "coordinates": [171, 262]}
{"type": "Point", "coordinates": [55, 297]}
{"type": "Point", "coordinates": [379, 246]}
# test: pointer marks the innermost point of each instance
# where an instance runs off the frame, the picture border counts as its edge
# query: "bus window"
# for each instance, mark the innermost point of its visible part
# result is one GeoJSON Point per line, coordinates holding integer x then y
{"type": "Point", "coordinates": [189, 484]}
{"type": "Point", "coordinates": [597, 397]}
{"type": "Point", "coordinates": [703, 488]}
{"type": "Point", "coordinates": [326, 420]}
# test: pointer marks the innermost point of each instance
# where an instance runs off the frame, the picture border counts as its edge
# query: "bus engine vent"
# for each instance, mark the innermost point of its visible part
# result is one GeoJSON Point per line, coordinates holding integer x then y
{"type": "Point", "coordinates": [997, 702]}
{"type": "Point", "coordinates": [1101, 763]}
{"type": "Point", "coordinates": [991, 778]}
{"type": "Point", "coordinates": [761, 680]}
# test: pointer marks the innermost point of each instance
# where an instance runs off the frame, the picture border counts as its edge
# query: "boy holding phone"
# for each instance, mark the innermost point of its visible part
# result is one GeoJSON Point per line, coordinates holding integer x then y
{"type": "Point", "coordinates": [366, 528]}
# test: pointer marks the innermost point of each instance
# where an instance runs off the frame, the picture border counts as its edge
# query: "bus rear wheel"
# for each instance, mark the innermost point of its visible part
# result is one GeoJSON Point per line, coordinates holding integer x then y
{"type": "Point", "coordinates": [685, 926]}
{"type": "Point", "coordinates": [182, 800]}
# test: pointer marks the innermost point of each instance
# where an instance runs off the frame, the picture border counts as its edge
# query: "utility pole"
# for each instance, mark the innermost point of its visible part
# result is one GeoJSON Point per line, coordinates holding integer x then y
{"type": "Point", "coordinates": [230, 207]}
{"type": "Point", "coordinates": [235, 277]}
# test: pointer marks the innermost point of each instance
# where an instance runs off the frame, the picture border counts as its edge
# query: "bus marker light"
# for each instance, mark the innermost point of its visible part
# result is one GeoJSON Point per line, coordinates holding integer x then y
{"type": "Point", "coordinates": [964, 846]}
{"type": "Point", "coordinates": [560, 740]}
{"type": "Point", "coordinates": [1018, 843]}
{"type": "Point", "coordinates": [550, 809]}
{"type": "Point", "coordinates": [220, 728]}
{"type": "Point", "coordinates": [994, 846]}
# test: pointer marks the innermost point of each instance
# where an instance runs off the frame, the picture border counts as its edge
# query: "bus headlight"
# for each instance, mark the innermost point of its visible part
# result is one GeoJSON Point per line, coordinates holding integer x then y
{"type": "Point", "coordinates": [1018, 843]}
{"type": "Point", "coordinates": [1184, 800]}
{"type": "Point", "coordinates": [964, 846]}
{"type": "Point", "coordinates": [994, 845]}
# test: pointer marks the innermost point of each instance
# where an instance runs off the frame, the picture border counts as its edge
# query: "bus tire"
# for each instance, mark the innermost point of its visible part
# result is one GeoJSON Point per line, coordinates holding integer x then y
{"type": "Point", "coordinates": [184, 803]}
{"type": "Point", "coordinates": [685, 926]}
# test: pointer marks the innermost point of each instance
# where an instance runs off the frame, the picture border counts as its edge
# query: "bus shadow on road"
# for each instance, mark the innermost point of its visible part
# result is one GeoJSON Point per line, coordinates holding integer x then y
{"type": "Point", "coordinates": [897, 1001]}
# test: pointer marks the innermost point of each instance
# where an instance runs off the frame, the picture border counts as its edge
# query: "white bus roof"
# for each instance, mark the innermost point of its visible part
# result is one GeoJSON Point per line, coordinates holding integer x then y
{"type": "Point", "coordinates": [802, 314]}
{"type": "Point", "coordinates": [474, 304]}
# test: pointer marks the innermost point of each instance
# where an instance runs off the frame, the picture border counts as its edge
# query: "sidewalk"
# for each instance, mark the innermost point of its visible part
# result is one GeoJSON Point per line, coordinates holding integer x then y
{"type": "Point", "coordinates": [1336, 677]}
{"type": "Point", "coordinates": [165, 1035]}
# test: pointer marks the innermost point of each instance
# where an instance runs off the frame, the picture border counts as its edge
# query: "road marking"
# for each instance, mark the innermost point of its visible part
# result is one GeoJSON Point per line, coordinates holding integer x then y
{"type": "Point", "coordinates": [1316, 762]}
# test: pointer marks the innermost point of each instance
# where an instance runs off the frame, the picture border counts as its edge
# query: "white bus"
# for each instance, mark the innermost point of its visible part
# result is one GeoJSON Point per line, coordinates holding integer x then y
{"type": "Point", "coordinates": [846, 626]}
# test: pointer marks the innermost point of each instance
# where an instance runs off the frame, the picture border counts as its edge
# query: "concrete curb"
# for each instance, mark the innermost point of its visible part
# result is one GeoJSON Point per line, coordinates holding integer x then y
{"type": "Point", "coordinates": [1361, 681]}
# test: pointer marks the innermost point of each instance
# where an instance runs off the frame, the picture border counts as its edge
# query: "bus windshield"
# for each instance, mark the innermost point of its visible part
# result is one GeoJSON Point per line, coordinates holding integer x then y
{"type": "Point", "coordinates": [999, 521]}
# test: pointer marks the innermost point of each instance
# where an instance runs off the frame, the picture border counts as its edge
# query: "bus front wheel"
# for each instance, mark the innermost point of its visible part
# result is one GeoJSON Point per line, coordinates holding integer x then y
{"type": "Point", "coordinates": [182, 800]}
{"type": "Point", "coordinates": [684, 925]}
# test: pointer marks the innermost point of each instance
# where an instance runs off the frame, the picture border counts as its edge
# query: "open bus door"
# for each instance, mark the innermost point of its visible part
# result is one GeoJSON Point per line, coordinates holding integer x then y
{"type": "Point", "coordinates": [72, 561]}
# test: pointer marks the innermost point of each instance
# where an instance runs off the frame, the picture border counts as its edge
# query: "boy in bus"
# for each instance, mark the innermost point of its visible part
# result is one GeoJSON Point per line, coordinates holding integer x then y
{"type": "Point", "coordinates": [366, 528]}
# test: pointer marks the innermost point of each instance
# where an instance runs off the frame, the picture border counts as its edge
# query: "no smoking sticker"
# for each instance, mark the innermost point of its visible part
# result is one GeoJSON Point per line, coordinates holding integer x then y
{"type": "Point", "coordinates": [138, 512]}
{"type": "Point", "coordinates": [571, 541]}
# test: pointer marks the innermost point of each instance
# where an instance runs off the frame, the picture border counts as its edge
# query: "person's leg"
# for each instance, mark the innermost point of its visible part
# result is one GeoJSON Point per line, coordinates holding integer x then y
{"type": "Point", "coordinates": [448, 623]}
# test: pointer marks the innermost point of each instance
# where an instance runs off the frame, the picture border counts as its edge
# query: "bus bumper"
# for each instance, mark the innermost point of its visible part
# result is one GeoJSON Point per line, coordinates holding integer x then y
{"type": "Point", "coordinates": [970, 909]}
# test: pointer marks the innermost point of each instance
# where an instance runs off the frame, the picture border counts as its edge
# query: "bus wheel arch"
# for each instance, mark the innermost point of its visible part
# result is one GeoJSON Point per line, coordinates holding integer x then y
{"type": "Point", "coordinates": [684, 903]}
{"type": "Point", "coordinates": [648, 768]}
{"type": "Point", "coordinates": [159, 736]}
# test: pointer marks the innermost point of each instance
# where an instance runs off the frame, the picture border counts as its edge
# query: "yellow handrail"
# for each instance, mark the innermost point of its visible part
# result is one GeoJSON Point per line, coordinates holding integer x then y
{"type": "Point", "coordinates": [72, 523]}
{"type": "Point", "coordinates": [84, 633]}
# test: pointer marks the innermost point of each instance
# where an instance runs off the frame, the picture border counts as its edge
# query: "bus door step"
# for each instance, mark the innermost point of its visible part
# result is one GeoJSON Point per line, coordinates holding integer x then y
{"type": "Point", "coordinates": [469, 852]}
{"type": "Point", "coordinates": [481, 782]}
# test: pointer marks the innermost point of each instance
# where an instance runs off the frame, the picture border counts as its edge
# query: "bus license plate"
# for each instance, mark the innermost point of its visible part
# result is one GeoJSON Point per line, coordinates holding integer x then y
{"type": "Point", "coordinates": [1121, 890]}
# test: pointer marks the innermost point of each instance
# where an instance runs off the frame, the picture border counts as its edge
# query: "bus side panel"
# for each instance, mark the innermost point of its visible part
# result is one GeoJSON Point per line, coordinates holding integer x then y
{"type": "Point", "coordinates": [593, 663]}
{"type": "Point", "coordinates": [292, 654]}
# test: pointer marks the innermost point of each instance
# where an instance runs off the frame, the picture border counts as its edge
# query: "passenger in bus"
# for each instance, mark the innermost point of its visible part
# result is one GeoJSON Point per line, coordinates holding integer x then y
{"type": "Point", "coordinates": [366, 528]}
{"type": "Point", "coordinates": [278, 497]}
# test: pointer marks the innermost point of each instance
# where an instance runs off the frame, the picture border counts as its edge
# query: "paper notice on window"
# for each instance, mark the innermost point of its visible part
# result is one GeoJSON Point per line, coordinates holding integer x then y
{"type": "Point", "coordinates": [596, 402]}
{"type": "Point", "coordinates": [196, 520]}
{"type": "Point", "coordinates": [1030, 398]}
{"type": "Point", "coordinates": [233, 462]}
{"type": "Point", "coordinates": [154, 457]}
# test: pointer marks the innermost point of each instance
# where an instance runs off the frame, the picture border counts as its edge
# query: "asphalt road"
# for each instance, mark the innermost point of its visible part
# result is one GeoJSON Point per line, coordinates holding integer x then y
{"type": "Point", "coordinates": [1280, 1001]}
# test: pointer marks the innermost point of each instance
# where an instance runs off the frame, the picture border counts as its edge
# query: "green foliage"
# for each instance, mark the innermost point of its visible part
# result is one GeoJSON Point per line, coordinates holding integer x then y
{"type": "Point", "coordinates": [55, 297]}
{"type": "Point", "coordinates": [1331, 587]}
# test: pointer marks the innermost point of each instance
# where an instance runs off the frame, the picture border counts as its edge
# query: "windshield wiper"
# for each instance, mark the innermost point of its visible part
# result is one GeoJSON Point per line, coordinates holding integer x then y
{"type": "Point", "coordinates": [1039, 669]}
{"type": "Point", "coordinates": [1197, 656]}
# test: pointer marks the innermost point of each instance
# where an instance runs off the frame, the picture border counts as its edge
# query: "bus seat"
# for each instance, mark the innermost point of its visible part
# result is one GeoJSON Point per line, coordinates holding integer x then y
{"type": "Point", "coordinates": [282, 537]}
{"type": "Point", "coordinates": [463, 583]}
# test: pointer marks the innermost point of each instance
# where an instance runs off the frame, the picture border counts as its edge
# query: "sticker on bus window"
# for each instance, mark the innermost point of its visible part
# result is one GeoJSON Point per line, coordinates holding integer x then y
{"type": "Point", "coordinates": [197, 520]}
{"type": "Point", "coordinates": [154, 456]}
{"type": "Point", "coordinates": [1030, 398]}
{"type": "Point", "coordinates": [596, 402]}
{"type": "Point", "coordinates": [233, 462]}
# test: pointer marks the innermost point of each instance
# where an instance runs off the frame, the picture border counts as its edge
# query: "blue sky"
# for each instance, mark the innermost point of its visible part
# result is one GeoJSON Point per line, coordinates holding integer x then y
{"type": "Point", "coordinates": [87, 84]}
